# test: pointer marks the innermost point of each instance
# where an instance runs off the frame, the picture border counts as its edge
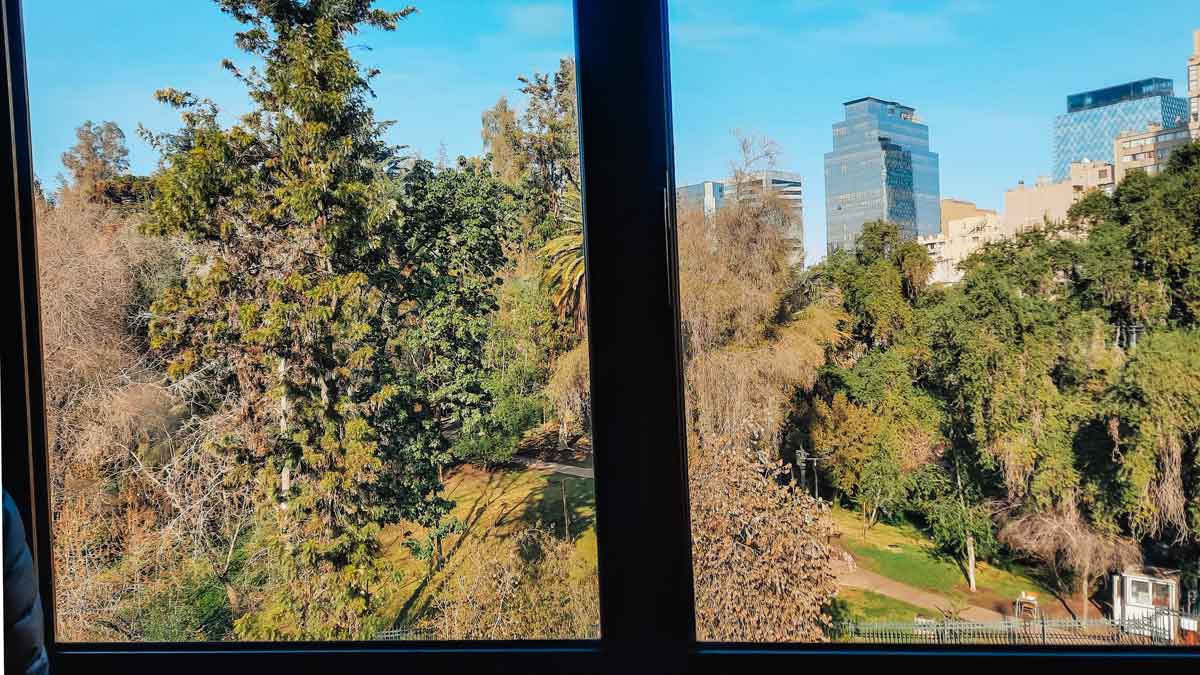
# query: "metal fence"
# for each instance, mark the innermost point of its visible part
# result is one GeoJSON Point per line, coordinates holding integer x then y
{"type": "Point", "coordinates": [406, 634]}
{"type": "Point", "coordinates": [1056, 632]}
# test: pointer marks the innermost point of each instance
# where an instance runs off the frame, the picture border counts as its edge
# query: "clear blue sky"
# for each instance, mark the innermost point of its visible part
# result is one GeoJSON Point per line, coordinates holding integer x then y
{"type": "Point", "coordinates": [987, 76]}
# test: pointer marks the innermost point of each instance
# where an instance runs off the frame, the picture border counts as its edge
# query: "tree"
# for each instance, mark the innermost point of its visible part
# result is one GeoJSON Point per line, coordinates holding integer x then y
{"type": "Point", "coordinates": [538, 154]}
{"type": "Point", "coordinates": [99, 155]}
{"type": "Point", "coordinates": [1065, 542]}
{"type": "Point", "coordinates": [563, 274]}
{"type": "Point", "coordinates": [762, 562]}
{"type": "Point", "coordinates": [304, 303]}
{"type": "Point", "coordinates": [958, 517]}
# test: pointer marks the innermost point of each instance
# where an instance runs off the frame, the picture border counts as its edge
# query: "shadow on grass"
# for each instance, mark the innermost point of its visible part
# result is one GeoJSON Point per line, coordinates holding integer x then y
{"type": "Point", "coordinates": [497, 485]}
{"type": "Point", "coordinates": [546, 505]}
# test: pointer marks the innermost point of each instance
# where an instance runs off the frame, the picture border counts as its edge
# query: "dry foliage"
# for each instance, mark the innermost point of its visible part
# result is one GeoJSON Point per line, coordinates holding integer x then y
{"type": "Point", "coordinates": [133, 489]}
{"type": "Point", "coordinates": [571, 393]}
{"type": "Point", "coordinates": [762, 561]}
{"type": "Point", "coordinates": [761, 557]}
{"type": "Point", "coordinates": [533, 589]}
{"type": "Point", "coordinates": [1065, 542]}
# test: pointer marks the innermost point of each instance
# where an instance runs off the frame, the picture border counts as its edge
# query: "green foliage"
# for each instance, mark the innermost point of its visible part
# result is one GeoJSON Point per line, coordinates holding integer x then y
{"type": "Point", "coordinates": [517, 356]}
{"type": "Point", "coordinates": [538, 154]}
{"type": "Point", "coordinates": [564, 271]}
{"type": "Point", "coordinates": [1058, 380]}
{"type": "Point", "coordinates": [335, 306]}
{"type": "Point", "coordinates": [954, 512]}
{"type": "Point", "coordinates": [197, 609]}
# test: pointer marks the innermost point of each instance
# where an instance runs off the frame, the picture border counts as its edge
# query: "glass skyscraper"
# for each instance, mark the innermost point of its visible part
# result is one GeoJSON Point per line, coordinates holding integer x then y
{"type": "Point", "coordinates": [880, 169]}
{"type": "Point", "coordinates": [1095, 118]}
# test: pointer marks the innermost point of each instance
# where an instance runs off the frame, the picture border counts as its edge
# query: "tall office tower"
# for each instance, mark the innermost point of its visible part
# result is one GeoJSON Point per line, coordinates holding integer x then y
{"type": "Point", "coordinates": [1094, 118]}
{"type": "Point", "coordinates": [788, 187]}
{"type": "Point", "coordinates": [880, 169]}
{"type": "Point", "coordinates": [1194, 86]}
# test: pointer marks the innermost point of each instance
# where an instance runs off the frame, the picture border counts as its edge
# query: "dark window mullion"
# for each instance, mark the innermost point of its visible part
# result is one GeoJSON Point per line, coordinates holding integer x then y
{"type": "Point", "coordinates": [23, 438]}
{"type": "Point", "coordinates": [641, 489]}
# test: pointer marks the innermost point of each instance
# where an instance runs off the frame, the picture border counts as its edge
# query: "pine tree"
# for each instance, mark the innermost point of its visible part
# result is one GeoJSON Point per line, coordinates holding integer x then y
{"type": "Point", "coordinates": [303, 304]}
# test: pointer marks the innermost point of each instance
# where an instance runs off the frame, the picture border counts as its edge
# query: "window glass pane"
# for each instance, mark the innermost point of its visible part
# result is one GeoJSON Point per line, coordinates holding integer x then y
{"type": "Point", "coordinates": [312, 374]}
{"type": "Point", "coordinates": [934, 388]}
{"type": "Point", "coordinates": [1140, 593]}
{"type": "Point", "coordinates": [1162, 595]}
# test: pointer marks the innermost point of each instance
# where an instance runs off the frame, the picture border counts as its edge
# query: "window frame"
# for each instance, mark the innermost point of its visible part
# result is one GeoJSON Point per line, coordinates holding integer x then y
{"type": "Point", "coordinates": [643, 530]}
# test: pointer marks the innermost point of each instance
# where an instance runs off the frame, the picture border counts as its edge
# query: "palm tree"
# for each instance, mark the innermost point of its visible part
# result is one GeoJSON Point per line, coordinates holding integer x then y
{"type": "Point", "coordinates": [564, 271]}
{"type": "Point", "coordinates": [564, 277]}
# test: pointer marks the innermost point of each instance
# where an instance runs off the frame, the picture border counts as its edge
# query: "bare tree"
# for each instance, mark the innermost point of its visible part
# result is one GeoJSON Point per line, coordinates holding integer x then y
{"type": "Point", "coordinates": [1066, 542]}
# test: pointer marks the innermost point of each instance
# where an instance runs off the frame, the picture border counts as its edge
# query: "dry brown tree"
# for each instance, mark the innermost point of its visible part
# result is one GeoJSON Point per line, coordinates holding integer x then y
{"type": "Point", "coordinates": [762, 562]}
{"type": "Point", "coordinates": [134, 493]}
{"type": "Point", "coordinates": [570, 392]}
{"type": "Point", "coordinates": [1067, 543]}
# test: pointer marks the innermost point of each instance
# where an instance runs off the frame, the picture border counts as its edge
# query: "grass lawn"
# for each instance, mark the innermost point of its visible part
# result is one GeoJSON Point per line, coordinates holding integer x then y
{"type": "Point", "coordinates": [901, 552]}
{"type": "Point", "coordinates": [869, 606]}
{"type": "Point", "coordinates": [493, 505]}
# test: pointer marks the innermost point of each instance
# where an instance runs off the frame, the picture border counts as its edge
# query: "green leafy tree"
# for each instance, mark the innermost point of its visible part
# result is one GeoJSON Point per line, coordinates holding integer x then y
{"type": "Point", "coordinates": [308, 304]}
{"type": "Point", "coordinates": [537, 154]}
{"type": "Point", "coordinates": [958, 517]}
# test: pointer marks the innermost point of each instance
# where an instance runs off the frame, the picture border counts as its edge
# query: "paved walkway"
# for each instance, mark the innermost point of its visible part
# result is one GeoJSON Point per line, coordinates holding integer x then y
{"type": "Point", "coordinates": [555, 467]}
{"type": "Point", "coordinates": [871, 581]}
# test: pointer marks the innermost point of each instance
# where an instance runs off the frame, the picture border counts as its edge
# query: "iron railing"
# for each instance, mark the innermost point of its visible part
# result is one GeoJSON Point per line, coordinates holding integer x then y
{"type": "Point", "coordinates": [1056, 632]}
{"type": "Point", "coordinates": [406, 634]}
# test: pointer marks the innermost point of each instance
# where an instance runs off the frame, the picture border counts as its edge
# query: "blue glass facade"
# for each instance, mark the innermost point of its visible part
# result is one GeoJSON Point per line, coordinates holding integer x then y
{"type": "Point", "coordinates": [880, 169]}
{"type": "Point", "coordinates": [1094, 119]}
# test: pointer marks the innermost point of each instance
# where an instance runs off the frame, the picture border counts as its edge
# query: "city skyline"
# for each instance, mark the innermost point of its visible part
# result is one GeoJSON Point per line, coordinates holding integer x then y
{"type": "Point", "coordinates": [461, 59]}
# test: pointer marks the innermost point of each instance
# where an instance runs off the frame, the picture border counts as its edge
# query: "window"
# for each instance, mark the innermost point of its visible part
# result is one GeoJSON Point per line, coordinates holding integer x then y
{"type": "Point", "coordinates": [856, 473]}
{"type": "Point", "coordinates": [1139, 592]}
{"type": "Point", "coordinates": [754, 365]}
{"type": "Point", "coordinates": [341, 413]}
{"type": "Point", "coordinates": [1162, 595]}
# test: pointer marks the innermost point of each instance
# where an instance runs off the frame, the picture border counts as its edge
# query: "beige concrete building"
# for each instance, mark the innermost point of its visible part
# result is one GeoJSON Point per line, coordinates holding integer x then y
{"type": "Point", "coordinates": [1146, 150]}
{"type": "Point", "coordinates": [1194, 86]}
{"type": "Point", "coordinates": [965, 231]}
{"type": "Point", "coordinates": [953, 209]}
{"type": "Point", "coordinates": [1030, 206]}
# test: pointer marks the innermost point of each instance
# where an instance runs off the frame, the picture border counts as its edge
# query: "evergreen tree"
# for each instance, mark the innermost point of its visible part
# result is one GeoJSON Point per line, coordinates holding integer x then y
{"type": "Point", "coordinates": [312, 303]}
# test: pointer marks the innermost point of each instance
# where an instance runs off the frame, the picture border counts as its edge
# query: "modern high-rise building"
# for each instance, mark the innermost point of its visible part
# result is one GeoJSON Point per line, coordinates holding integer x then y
{"type": "Point", "coordinates": [1194, 86]}
{"type": "Point", "coordinates": [880, 168]}
{"type": "Point", "coordinates": [1094, 118]}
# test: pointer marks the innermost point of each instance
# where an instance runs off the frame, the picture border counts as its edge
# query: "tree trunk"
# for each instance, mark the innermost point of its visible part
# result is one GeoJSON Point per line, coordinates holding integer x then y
{"type": "Point", "coordinates": [971, 561]}
{"type": "Point", "coordinates": [234, 598]}
{"type": "Point", "coordinates": [962, 502]}
{"type": "Point", "coordinates": [1083, 589]}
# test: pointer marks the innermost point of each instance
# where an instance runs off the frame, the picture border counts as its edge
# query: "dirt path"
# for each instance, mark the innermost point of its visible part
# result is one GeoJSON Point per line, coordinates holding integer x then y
{"type": "Point", "coordinates": [555, 467]}
{"type": "Point", "coordinates": [867, 580]}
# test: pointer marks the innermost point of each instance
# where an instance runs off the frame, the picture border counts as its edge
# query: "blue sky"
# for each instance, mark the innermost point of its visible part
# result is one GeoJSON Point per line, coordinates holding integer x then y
{"type": "Point", "coordinates": [987, 76]}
